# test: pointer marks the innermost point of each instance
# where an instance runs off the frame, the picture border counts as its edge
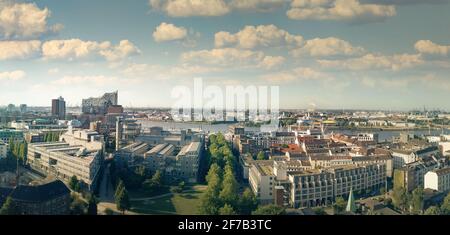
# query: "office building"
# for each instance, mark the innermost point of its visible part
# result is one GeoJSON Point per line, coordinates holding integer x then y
{"type": "Point", "coordinates": [79, 153]}
{"type": "Point", "coordinates": [59, 108]}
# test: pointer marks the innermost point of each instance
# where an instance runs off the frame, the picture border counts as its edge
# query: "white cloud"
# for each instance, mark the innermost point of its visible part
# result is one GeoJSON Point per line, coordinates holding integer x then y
{"type": "Point", "coordinates": [257, 5]}
{"type": "Point", "coordinates": [99, 80]}
{"type": "Point", "coordinates": [429, 47]}
{"type": "Point", "coordinates": [223, 57]}
{"type": "Point", "coordinates": [12, 76]}
{"type": "Point", "coordinates": [121, 51]}
{"type": "Point", "coordinates": [339, 10]}
{"type": "Point", "coordinates": [372, 61]}
{"type": "Point", "coordinates": [206, 8]}
{"type": "Point", "coordinates": [187, 8]}
{"type": "Point", "coordinates": [159, 72]}
{"type": "Point", "coordinates": [53, 71]}
{"type": "Point", "coordinates": [19, 49]}
{"type": "Point", "coordinates": [297, 74]}
{"type": "Point", "coordinates": [25, 20]}
{"type": "Point", "coordinates": [258, 36]}
{"type": "Point", "coordinates": [169, 32]}
{"type": "Point", "coordinates": [75, 48]}
{"type": "Point", "coordinates": [325, 47]}
{"type": "Point", "coordinates": [270, 62]}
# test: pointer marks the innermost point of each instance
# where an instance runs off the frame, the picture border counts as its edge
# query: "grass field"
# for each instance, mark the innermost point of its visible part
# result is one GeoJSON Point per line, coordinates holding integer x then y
{"type": "Point", "coordinates": [181, 203]}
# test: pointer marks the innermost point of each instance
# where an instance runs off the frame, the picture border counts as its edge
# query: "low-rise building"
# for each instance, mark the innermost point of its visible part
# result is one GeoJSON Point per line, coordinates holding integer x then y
{"type": "Point", "coordinates": [438, 180]}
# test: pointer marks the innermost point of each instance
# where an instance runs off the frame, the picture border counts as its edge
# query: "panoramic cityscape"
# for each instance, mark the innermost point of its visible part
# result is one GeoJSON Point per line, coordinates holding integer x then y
{"type": "Point", "coordinates": [224, 107]}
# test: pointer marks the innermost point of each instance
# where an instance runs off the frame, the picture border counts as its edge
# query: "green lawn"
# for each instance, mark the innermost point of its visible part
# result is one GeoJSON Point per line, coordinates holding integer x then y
{"type": "Point", "coordinates": [180, 203]}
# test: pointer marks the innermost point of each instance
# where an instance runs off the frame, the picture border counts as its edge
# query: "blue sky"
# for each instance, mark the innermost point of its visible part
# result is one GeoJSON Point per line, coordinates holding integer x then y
{"type": "Point", "coordinates": [382, 54]}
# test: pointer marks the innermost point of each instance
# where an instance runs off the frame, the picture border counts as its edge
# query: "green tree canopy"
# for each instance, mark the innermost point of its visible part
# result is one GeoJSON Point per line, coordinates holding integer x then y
{"type": "Point", "coordinates": [92, 205]}
{"type": "Point", "coordinates": [261, 156]}
{"type": "Point", "coordinates": [227, 210]}
{"type": "Point", "coordinates": [417, 200]}
{"type": "Point", "coordinates": [9, 208]}
{"type": "Point", "coordinates": [73, 182]}
{"type": "Point", "coordinates": [445, 208]}
{"type": "Point", "coordinates": [248, 202]}
{"type": "Point", "coordinates": [123, 201]}
{"type": "Point", "coordinates": [433, 210]}
{"type": "Point", "coordinates": [339, 205]}
{"type": "Point", "coordinates": [270, 209]}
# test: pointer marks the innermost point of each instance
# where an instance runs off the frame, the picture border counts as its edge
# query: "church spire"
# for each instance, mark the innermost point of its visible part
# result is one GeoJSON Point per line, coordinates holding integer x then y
{"type": "Point", "coordinates": [351, 206]}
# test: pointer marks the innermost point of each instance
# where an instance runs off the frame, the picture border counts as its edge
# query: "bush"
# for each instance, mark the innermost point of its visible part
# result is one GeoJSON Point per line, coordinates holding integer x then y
{"type": "Point", "coordinates": [108, 211]}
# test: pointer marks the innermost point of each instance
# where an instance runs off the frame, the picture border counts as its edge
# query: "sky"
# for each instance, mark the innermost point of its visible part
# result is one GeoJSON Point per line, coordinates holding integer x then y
{"type": "Point", "coordinates": [339, 54]}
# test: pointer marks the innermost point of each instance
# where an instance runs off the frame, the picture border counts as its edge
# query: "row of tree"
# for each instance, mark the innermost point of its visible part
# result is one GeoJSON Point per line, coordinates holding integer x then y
{"type": "Point", "coordinates": [223, 196]}
{"type": "Point", "coordinates": [51, 137]}
{"type": "Point", "coordinates": [17, 149]}
{"type": "Point", "coordinates": [414, 202]}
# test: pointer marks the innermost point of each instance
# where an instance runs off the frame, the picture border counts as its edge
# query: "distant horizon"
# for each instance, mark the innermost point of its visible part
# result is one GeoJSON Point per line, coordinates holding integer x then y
{"type": "Point", "coordinates": [378, 56]}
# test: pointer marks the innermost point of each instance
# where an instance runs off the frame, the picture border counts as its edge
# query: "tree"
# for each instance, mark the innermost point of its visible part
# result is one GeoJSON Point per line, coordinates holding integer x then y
{"type": "Point", "coordinates": [227, 210]}
{"type": "Point", "coordinates": [433, 210]}
{"type": "Point", "coordinates": [73, 183]}
{"type": "Point", "coordinates": [319, 211]}
{"type": "Point", "coordinates": [445, 208]}
{"type": "Point", "coordinates": [400, 198]}
{"type": "Point", "coordinates": [9, 208]}
{"type": "Point", "coordinates": [157, 178]}
{"type": "Point", "coordinates": [123, 201]}
{"type": "Point", "coordinates": [153, 184]}
{"type": "Point", "coordinates": [261, 156]}
{"type": "Point", "coordinates": [417, 200]}
{"type": "Point", "coordinates": [108, 211]}
{"type": "Point", "coordinates": [77, 206]}
{"type": "Point", "coordinates": [92, 205]}
{"type": "Point", "coordinates": [383, 191]}
{"type": "Point", "coordinates": [270, 209]}
{"type": "Point", "coordinates": [339, 205]}
{"type": "Point", "coordinates": [209, 203]}
{"type": "Point", "coordinates": [119, 188]}
{"type": "Point", "coordinates": [248, 202]}
{"type": "Point", "coordinates": [229, 192]}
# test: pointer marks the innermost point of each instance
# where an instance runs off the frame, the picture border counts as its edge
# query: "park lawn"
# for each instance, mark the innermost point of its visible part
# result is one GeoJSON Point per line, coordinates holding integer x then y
{"type": "Point", "coordinates": [180, 203]}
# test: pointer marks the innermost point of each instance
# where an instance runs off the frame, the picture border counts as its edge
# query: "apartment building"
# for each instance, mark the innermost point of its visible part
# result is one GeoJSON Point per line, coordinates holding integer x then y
{"type": "Point", "coordinates": [188, 160]}
{"type": "Point", "coordinates": [158, 158]}
{"type": "Point", "coordinates": [262, 181]}
{"type": "Point", "coordinates": [412, 175]}
{"type": "Point", "coordinates": [438, 180]}
{"type": "Point", "coordinates": [308, 187]}
{"type": "Point", "coordinates": [410, 155]}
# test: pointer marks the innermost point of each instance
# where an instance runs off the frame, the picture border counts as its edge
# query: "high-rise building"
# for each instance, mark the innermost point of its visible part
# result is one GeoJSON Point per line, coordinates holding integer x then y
{"type": "Point", "coordinates": [59, 108]}
{"type": "Point", "coordinates": [99, 105]}
{"type": "Point", "coordinates": [23, 108]}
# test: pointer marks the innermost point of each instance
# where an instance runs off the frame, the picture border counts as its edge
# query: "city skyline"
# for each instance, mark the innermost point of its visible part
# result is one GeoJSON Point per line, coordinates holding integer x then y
{"type": "Point", "coordinates": [379, 56]}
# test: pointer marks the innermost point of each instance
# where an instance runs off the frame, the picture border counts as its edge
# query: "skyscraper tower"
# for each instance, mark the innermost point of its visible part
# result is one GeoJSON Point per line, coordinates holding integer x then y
{"type": "Point", "coordinates": [59, 108]}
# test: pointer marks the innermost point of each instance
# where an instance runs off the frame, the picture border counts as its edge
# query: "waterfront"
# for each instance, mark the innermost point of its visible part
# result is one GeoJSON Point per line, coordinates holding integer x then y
{"type": "Point", "coordinates": [384, 135]}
